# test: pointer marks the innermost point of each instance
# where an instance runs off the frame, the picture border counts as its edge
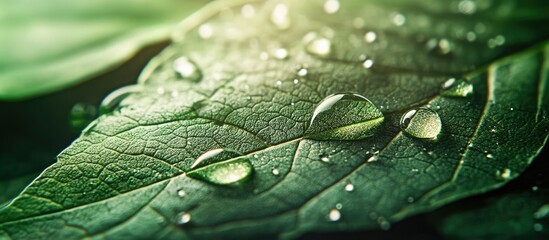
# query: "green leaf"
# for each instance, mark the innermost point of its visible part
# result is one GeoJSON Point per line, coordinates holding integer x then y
{"type": "Point", "coordinates": [522, 215]}
{"type": "Point", "coordinates": [48, 46]}
{"type": "Point", "coordinates": [125, 177]}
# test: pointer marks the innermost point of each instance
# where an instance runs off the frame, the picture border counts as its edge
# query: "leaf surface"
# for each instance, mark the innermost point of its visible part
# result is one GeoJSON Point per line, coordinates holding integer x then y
{"type": "Point", "coordinates": [124, 175]}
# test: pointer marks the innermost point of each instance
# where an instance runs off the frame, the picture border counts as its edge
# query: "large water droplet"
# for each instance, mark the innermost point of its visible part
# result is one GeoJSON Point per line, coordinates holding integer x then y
{"type": "Point", "coordinates": [344, 116]}
{"type": "Point", "coordinates": [113, 100]}
{"type": "Point", "coordinates": [421, 123]}
{"type": "Point", "coordinates": [457, 88]}
{"type": "Point", "coordinates": [187, 69]}
{"type": "Point", "coordinates": [81, 114]}
{"type": "Point", "coordinates": [334, 215]}
{"type": "Point", "coordinates": [321, 47]}
{"type": "Point", "coordinates": [221, 167]}
{"type": "Point", "coordinates": [331, 6]}
{"type": "Point", "coordinates": [349, 187]}
{"type": "Point", "coordinates": [280, 16]}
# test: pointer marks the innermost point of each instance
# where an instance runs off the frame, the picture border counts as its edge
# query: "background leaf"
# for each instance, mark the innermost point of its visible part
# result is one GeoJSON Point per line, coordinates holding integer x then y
{"type": "Point", "coordinates": [123, 176]}
{"type": "Point", "coordinates": [47, 46]}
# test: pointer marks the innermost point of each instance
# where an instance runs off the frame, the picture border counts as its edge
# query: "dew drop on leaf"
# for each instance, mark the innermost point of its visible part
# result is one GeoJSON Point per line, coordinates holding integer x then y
{"type": "Point", "coordinates": [113, 100]}
{"type": "Point", "coordinates": [320, 47]}
{"type": "Point", "coordinates": [421, 123]}
{"type": "Point", "coordinates": [184, 218]}
{"type": "Point", "coordinates": [181, 193]}
{"type": "Point", "coordinates": [81, 114]}
{"type": "Point", "coordinates": [221, 167]}
{"type": "Point", "coordinates": [205, 31]}
{"type": "Point", "coordinates": [398, 19]}
{"type": "Point", "coordinates": [344, 116]}
{"type": "Point", "coordinates": [334, 215]}
{"type": "Point", "coordinates": [302, 71]}
{"type": "Point", "coordinates": [457, 88]}
{"type": "Point", "coordinates": [187, 69]}
{"type": "Point", "coordinates": [280, 53]}
{"type": "Point", "coordinates": [275, 171]}
{"type": "Point", "coordinates": [349, 187]}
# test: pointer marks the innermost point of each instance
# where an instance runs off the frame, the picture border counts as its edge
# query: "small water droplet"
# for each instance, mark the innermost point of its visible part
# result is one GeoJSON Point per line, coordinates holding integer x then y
{"type": "Point", "coordinates": [113, 100]}
{"type": "Point", "coordinates": [321, 47]}
{"type": "Point", "coordinates": [505, 174]}
{"type": "Point", "coordinates": [205, 31]}
{"type": "Point", "coordinates": [221, 167]}
{"type": "Point", "coordinates": [467, 7]}
{"type": "Point", "coordinates": [444, 46]}
{"type": "Point", "coordinates": [370, 37]}
{"type": "Point", "coordinates": [421, 123]}
{"type": "Point", "coordinates": [280, 16]}
{"type": "Point", "coordinates": [471, 36]}
{"type": "Point", "coordinates": [81, 114]}
{"type": "Point", "coordinates": [383, 224]}
{"type": "Point", "coordinates": [331, 6]}
{"type": "Point", "coordinates": [490, 156]}
{"type": "Point", "coordinates": [349, 187]}
{"type": "Point", "coordinates": [278, 83]}
{"type": "Point", "coordinates": [410, 199]}
{"type": "Point", "coordinates": [187, 69]}
{"type": "Point", "coordinates": [457, 88]}
{"type": "Point", "coordinates": [325, 159]}
{"type": "Point", "coordinates": [275, 171]}
{"type": "Point", "coordinates": [184, 218]}
{"type": "Point", "coordinates": [296, 81]}
{"type": "Point", "coordinates": [181, 193]}
{"type": "Point", "coordinates": [368, 63]}
{"type": "Point", "coordinates": [247, 11]}
{"type": "Point", "coordinates": [344, 116]}
{"type": "Point", "coordinates": [280, 53]}
{"type": "Point", "coordinates": [302, 71]}
{"type": "Point", "coordinates": [339, 206]}
{"type": "Point", "coordinates": [160, 90]}
{"type": "Point", "coordinates": [538, 227]}
{"type": "Point", "coordinates": [398, 19]}
{"type": "Point", "coordinates": [334, 215]}
{"type": "Point", "coordinates": [535, 188]}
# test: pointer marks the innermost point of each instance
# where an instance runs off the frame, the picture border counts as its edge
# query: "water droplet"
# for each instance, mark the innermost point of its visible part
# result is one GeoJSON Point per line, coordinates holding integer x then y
{"type": "Point", "coordinates": [334, 215]}
{"type": "Point", "coordinates": [275, 171]}
{"type": "Point", "coordinates": [383, 223]}
{"type": "Point", "coordinates": [370, 37]}
{"type": "Point", "coordinates": [160, 90]}
{"type": "Point", "coordinates": [505, 174]}
{"type": "Point", "coordinates": [296, 81]}
{"type": "Point", "coordinates": [535, 188]}
{"type": "Point", "coordinates": [421, 123]}
{"type": "Point", "coordinates": [538, 227]}
{"type": "Point", "coordinates": [499, 40]}
{"type": "Point", "coordinates": [467, 7]}
{"type": "Point", "coordinates": [184, 218]}
{"type": "Point", "coordinates": [457, 88]}
{"type": "Point", "coordinates": [367, 63]}
{"type": "Point", "coordinates": [205, 31]}
{"type": "Point", "coordinates": [490, 156]}
{"type": "Point", "coordinates": [302, 71]}
{"type": "Point", "coordinates": [398, 19]}
{"type": "Point", "coordinates": [410, 199]}
{"type": "Point", "coordinates": [221, 167]}
{"type": "Point", "coordinates": [331, 6]}
{"type": "Point", "coordinates": [113, 100]}
{"type": "Point", "coordinates": [247, 11]}
{"type": "Point", "coordinates": [345, 116]}
{"type": "Point", "coordinates": [349, 187]}
{"type": "Point", "coordinates": [181, 193]}
{"type": "Point", "coordinates": [278, 83]}
{"type": "Point", "coordinates": [280, 53]}
{"type": "Point", "coordinates": [321, 47]}
{"type": "Point", "coordinates": [444, 46]}
{"type": "Point", "coordinates": [81, 114]}
{"type": "Point", "coordinates": [339, 206]}
{"type": "Point", "coordinates": [325, 159]}
{"type": "Point", "coordinates": [187, 69]}
{"type": "Point", "coordinates": [471, 36]}
{"type": "Point", "coordinates": [280, 16]}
